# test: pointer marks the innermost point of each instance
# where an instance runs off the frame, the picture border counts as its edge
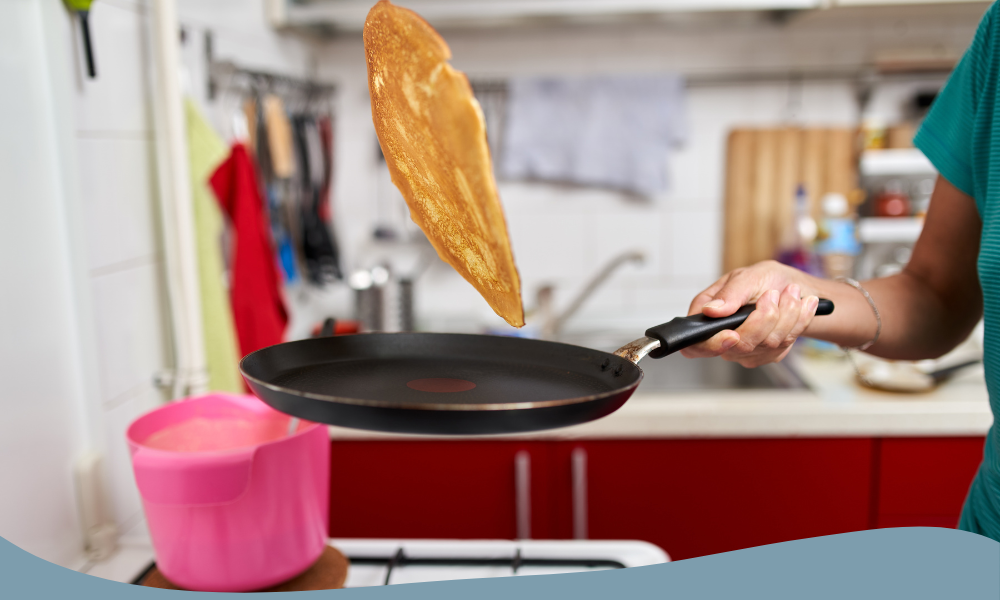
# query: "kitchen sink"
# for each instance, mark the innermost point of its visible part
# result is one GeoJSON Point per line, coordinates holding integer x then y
{"type": "Point", "coordinates": [676, 373]}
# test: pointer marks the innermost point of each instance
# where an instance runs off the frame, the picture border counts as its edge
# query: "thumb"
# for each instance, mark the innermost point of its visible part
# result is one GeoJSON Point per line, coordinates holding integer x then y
{"type": "Point", "coordinates": [731, 297]}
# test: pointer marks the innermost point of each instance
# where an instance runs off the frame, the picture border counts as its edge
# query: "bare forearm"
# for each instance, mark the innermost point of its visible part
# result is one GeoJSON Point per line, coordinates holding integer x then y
{"type": "Point", "coordinates": [917, 322]}
{"type": "Point", "coordinates": [935, 302]}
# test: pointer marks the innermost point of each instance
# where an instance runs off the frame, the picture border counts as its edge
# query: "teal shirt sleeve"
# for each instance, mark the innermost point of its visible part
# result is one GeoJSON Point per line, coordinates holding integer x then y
{"type": "Point", "coordinates": [947, 136]}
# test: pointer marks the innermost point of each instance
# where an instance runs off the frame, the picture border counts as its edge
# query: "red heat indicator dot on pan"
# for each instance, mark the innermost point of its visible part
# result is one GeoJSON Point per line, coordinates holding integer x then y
{"type": "Point", "coordinates": [440, 384]}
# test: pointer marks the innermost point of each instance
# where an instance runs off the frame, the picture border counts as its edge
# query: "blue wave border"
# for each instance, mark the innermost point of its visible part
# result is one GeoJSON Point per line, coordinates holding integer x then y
{"type": "Point", "coordinates": [914, 563]}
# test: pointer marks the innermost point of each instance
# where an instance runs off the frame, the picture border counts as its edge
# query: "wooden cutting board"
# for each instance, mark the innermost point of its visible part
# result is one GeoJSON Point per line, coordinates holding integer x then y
{"type": "Point", "coordinates": [813, 169]}
{"type": "Point", "coordinates": [327, 573]}
{"type": "Point", "coordinates": [765, 189]}
{"type": "Point", "coordinates": [764, 167]}
{"type": "Point", "coordinates": [788, 177]}
{"type": "Point", "coordinates": [739, 178]}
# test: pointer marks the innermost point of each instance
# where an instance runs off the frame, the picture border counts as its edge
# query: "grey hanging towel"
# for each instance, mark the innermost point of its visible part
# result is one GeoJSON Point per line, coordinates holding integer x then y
{"type": "Point", "coordinates": [610, 131]}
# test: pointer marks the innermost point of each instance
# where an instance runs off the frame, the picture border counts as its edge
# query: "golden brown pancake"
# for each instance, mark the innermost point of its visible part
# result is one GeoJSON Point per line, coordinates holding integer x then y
{"type": "Point", "coordinates": [433, 136]}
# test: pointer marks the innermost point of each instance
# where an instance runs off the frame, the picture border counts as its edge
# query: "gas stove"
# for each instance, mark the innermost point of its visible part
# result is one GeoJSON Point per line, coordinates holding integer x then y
{"type": "Point", "coordinates": [390, 562]}
{"type": "Point", "coordinates": [376, 562]}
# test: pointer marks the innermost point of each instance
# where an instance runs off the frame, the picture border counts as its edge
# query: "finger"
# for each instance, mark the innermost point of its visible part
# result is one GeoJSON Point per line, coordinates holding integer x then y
{"type": "Point", "coordinates": [707, 295]}
{"type": "Point", "coordinates": [789, 311]}
{"type": "Point", "coordinates": [806, 313]}
{"type": "Point", "coordinates": [742, 286]}
{"type": "Point", "coordinates": [758, 325]}
{"type": "Point", "coordinates": [783, 354]}
{"type": "Point", "coordinates": [714, 346]}
{"type": "Point", "coordinates": [762, 358]}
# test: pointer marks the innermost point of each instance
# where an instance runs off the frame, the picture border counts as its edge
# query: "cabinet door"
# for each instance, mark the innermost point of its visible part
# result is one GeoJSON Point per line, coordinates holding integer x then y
{"type": "Point", "coordinates": [432, 489]}
{"type": "Point", "coordinates": [923, 481]}
{"type": "Point", "coordinates": [698, 497]}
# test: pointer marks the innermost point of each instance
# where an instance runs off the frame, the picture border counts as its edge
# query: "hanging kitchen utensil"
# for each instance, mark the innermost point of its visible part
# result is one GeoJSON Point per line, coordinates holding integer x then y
{"type": "Point", "coordinates": [82, 10]}
{"type": "Point", "coordinates": [439, 383]}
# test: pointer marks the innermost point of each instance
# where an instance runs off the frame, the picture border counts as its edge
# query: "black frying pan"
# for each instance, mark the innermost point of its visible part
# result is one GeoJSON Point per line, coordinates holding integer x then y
{"type": "Point", "coordinates": [441, 383]}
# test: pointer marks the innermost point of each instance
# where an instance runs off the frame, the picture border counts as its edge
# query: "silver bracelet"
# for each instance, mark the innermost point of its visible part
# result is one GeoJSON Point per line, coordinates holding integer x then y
{"type": "Point", "coordinates": [878, 318]}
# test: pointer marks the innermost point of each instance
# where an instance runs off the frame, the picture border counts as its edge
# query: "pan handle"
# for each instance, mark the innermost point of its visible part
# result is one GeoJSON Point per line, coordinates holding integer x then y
{"type": "Point", "coordinates": [686, 331]}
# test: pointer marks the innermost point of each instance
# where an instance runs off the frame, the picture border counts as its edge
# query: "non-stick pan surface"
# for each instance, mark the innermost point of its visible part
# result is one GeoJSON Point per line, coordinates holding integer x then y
{"type": "Point", "coordinates": [435, 383]}
{"type": "Point", "coordinates": [439, 383]}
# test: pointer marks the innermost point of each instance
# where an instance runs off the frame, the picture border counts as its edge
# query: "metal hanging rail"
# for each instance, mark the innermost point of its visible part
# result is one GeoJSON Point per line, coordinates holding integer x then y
{"type": "Point", "coordinates": [227, 75]}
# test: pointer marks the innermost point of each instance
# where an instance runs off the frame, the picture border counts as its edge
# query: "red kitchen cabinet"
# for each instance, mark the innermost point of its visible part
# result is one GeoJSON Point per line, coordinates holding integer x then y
{"type": "Point", "coordinates": [698, 497]}
{"type": "Point", "coordinates": [433, 489]}
{"type": "Point", "coordinates": [690, 497]}
{"type": "Point", "coordinates": [923, 481]}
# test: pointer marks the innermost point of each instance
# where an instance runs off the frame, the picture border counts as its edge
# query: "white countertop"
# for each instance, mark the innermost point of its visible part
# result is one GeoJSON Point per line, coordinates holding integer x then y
{"type": "Point", "coordinates": [834, 406]}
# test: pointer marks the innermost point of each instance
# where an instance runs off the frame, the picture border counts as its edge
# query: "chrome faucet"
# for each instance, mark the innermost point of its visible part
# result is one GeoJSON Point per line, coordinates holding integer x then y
{"type": "Point", "coordinates": [552, 324]}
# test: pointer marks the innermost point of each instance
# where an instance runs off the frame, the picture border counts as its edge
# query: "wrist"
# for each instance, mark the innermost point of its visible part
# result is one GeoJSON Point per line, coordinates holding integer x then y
{"type": "Point", "coordinates": [853, 321]}
{"type": "Point", "coordinates": [875, 312]}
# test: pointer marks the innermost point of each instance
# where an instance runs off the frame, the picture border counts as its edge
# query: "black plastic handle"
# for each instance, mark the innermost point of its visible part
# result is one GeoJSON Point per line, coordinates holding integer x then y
{"type": "Point", "coordinates": [688, 331]}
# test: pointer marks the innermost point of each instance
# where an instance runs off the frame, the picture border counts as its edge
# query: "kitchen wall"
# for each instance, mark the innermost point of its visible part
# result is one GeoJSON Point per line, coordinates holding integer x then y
{"type": "Point", "coordinates": [562, 235]}
{"type": "Point", "coordinates": [87, 331]}
{"type": "Point", "coordinates": [119, 181]}
{"type": "Point", "coordinates": [47, 375]}
{"type": "Point", "coordinates": [239, 33]}
{"type": "Point", "coordinates": [114, 140]}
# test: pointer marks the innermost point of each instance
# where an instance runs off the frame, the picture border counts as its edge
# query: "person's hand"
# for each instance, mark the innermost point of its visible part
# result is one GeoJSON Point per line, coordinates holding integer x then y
{"type": "Point", "coordinates": [786, 303]}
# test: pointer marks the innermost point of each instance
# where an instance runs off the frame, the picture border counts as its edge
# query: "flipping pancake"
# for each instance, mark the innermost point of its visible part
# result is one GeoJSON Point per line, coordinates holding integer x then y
{"type": "Point", "coordinates": [433, 136]}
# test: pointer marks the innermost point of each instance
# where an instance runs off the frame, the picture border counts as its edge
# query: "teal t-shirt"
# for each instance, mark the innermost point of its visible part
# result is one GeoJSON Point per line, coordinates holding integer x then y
{"type": "Point", "coordinates": [961, 137]}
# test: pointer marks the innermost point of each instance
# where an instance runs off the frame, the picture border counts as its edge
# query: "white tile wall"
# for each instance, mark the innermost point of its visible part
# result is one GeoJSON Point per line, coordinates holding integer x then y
{"type": "Point", "coordinates": [117, 103]}
{"type": "Point", "coordinates": [130, 318]}
{"type": "Point", "coordinates": [118, 190]}
{"type": "Point", "coordinates": [118, 193]}
{"type": "Point", "coordinates": [695, 243]}
{"type": "Point", "coordinates": [117, 185]}
{"type": "Point", "coordinates": [43, 427]}
{"type": "Point", "coordinates": [545, 251]}
{"type": "Point", "coordinates": [697, 170]}
{"type": "Point", "coordinates": [124, 497]}
{"type": "Point", "coordinates": [627, 229]}
{"type": "Point", "coordinates": [242, 34]}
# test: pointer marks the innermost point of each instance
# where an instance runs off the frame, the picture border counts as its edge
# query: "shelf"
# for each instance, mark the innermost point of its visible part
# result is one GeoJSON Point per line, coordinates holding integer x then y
{"type": "Point", "coordinates": [873, 230]}
{"type": "Point", "coordinates": [349, 15]}
{"type": "Point", "coordinates": [898, 2]}
{"type": "Point", "coordinates": [900, 161]}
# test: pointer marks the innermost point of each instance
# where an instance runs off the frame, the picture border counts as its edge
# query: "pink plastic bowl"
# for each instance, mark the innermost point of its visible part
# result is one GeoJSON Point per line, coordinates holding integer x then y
{"type": "Point", "coordinates": [233, 503]}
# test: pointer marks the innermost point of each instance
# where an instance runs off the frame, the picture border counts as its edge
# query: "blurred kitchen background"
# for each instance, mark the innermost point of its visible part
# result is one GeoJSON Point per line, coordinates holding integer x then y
{"type": "Point", "coordinates": [764, 128]}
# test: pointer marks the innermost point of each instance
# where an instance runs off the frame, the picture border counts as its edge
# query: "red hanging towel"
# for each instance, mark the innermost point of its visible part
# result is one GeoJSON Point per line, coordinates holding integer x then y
{"type": "Point", "coordinates": [258, 308]}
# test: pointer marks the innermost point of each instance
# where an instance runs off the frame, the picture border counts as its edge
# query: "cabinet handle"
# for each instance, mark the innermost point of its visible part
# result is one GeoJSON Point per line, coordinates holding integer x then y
{"type": "Point", "coordinates": [579, 473]}
{"type": "Point", "coordinates": [522, 494]}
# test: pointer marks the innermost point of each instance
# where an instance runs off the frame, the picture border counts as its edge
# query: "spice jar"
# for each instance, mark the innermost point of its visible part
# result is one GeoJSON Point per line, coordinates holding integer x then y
{"type": "Point", "coordinates": [892, 202]}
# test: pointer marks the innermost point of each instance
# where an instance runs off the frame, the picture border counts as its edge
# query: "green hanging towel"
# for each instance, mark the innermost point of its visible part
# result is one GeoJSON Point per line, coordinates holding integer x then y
{"type": "Point", "coordinates": [205, 152]}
